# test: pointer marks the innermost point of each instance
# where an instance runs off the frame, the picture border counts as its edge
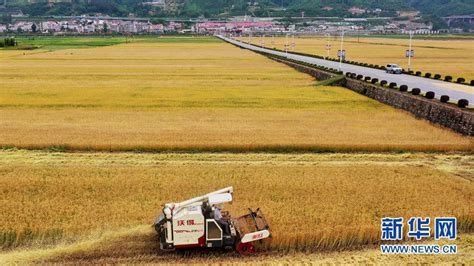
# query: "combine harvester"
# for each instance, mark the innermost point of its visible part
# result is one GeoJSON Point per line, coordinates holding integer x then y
{"type": "Point", "coordinates": [199, 223]}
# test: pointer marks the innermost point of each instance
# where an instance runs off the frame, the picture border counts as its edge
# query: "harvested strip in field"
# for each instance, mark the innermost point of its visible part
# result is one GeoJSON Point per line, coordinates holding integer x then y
{"type": "Point", "coordinates": [54, 197]}
{"type": "Point", "coordinates": [139, 245]}
{"type": "Point", "coordinates": [181, 95]}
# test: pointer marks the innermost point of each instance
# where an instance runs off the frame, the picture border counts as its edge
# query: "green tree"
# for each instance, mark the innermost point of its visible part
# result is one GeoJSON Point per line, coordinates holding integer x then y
{"type": "Point", "coordinates": [8, 42]}
{"type": "Point", "coordinates": [6, 19]}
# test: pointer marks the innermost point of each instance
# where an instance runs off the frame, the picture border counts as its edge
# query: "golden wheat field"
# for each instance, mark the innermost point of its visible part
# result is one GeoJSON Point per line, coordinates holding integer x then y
{"type": "Point", "coordinates": [180, 117]}
{"type": "Point", "coordinates": [333, 202]}
{"type": "Point", "coordinates": [445, 57]}
{"type": "Point", "coordinates": [172, 95]}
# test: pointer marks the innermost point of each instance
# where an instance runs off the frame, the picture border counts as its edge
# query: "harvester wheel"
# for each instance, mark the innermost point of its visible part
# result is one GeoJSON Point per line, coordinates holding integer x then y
{"type": "Point", "coordinates": [245, 248]}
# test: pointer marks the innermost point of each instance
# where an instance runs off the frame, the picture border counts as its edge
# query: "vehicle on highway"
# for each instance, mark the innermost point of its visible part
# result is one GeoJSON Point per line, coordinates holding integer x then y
{"type": "Point", "coordinates": [394, 69]}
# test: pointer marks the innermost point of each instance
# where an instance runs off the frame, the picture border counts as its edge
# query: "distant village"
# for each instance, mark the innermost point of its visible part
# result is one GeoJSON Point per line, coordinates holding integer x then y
{"type": "Point", "coordinates": [237, 26]}
{"type": "Point", "coordinates": [363, 21]}
{"type": "Point", "coordinates": [99, 24]}
{"type": "Point", "coordinates": [89, 26]}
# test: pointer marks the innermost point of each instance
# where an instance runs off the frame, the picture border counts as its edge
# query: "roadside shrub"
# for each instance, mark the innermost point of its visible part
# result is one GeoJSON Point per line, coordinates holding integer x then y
{"type": "Point", "coordinates": [374, 80]}
{"type": "Point", "coordinates": [415, 91]}
{"type": "Point", "coordinates": [367, 78]}
{"type": "Point", "coordinates": [444, 98]}
{"type": "Point", "coordinates": [359, 77]}
{"type": "Point", "coordinates": [448, 78]}
{"type": "Point", "coordinates": [410, 72]}
{"type": "Point", "coordinates": [463, 103]}
{"type": "Point", "coordinates": [377, 66]}
{"type": "Point", "coordinates": [353, 75]}
{"type": "Point", "coordinates": [404, 88]}
{"type": "Point", "coordinates": [460, 80]}
{"type": "Point", "coordinates": [430, 95]}
{"type": "Point", "coordinates": [472, 83]}
{"type": "Point", "coordinates": [418, 73]}
{"type": "Point", "coordinates": [437, 76]}
{"type": "Point", "coordinates": [392, 85]}
{"type": "Point", "coordinates": [8, 42]}
{"type": "Point", "coordinates": [428, 75]}
{"type": "Point", "coordinates": [383, 82]}
{"type": "Point", "coordinates": [348, 74]}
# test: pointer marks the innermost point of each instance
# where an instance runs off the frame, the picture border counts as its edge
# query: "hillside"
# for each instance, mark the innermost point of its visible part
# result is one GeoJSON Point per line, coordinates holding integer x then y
{"type": "Point", "coordinates": [430, 9]}
{"type": "Point", "coordinates": [443, 7]}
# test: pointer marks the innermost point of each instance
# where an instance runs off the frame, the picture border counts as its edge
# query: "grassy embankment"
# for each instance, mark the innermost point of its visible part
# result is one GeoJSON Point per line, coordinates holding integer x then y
{"type": "Point", "coordinates": [59, 42]}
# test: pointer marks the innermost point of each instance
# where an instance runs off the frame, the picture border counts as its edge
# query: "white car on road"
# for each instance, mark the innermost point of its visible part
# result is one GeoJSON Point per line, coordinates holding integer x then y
{"type": "Point", "coordinates": [394, 69]}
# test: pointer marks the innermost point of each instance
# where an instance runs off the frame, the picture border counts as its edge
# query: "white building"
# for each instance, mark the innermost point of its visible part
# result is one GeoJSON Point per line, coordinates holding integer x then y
{"type": "Point", "coordinates": [50, 26]}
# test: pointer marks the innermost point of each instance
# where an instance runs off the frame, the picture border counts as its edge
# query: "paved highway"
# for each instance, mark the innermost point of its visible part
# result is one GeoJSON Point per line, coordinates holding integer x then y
{"type": "Point", "coordinates": [453, 90]}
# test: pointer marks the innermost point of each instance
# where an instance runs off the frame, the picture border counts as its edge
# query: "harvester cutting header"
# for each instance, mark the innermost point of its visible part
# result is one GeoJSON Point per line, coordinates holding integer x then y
{"type": "Point", "coordinates": [200, 222]}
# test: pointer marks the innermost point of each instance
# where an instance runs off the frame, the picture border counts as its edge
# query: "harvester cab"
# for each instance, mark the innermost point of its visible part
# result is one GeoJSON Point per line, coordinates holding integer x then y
{"type": "Point", "coordinates": [200, 223]}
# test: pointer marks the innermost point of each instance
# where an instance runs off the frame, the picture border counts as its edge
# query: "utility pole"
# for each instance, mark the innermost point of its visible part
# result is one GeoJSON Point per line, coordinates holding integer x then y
{"type": "Point", "coordinates": [358, 34]}
{"type": "Point", "coordinates": [286, 45]}
{"type": "Point", "coordinates": [409, 50]}
{"type": "Point", "coordinates": [342, 49]}
{"type": "Point", "coordinates": [273, 41]}
{"type": "Point", "coordinates": [293, 42]}
{"type": "Point", "coordinates": [328, 45]}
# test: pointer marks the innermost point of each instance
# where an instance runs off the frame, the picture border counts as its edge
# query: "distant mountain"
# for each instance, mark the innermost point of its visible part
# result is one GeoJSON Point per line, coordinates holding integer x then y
{"type": "Point", "coordinates": [443, 7]}
{"type": "Point", "coordinates": [430, 9]}
{"type": "Point", "coordinates": [327, 7]}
